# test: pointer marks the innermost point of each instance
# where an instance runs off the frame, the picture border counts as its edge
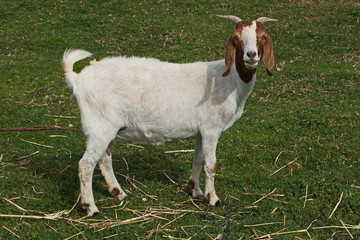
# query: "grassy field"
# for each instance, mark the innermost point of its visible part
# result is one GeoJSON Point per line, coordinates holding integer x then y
{"type": "Point", "coordinates": [288, 169]}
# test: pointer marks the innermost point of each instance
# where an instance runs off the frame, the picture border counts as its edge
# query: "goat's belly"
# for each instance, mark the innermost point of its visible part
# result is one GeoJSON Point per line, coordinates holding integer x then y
{"type": "Point", "coordinates": [153, 136]}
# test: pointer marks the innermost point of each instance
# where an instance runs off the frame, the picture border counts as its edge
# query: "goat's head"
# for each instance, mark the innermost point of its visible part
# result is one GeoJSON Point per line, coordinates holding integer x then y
{"type": "Point", "coordinates": [248, 45]}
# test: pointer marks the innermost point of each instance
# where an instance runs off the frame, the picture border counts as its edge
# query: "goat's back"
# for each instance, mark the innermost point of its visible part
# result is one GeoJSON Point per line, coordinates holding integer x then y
{"type": "Point", "coordinates": [152, 99]}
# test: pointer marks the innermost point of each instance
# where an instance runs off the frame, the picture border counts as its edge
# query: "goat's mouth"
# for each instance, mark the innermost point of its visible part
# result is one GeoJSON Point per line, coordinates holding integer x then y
{"type": "Point", "coordinates": [252, 62]}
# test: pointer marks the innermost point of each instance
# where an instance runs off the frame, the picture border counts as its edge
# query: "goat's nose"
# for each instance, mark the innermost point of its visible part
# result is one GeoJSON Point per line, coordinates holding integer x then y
{"type": "Point", "coordinates": [251, 54]}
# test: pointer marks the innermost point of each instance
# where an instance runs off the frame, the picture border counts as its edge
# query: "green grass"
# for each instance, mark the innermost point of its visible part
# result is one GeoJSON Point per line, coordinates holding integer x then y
{"type": "Point", "coordinates": [305, 119]}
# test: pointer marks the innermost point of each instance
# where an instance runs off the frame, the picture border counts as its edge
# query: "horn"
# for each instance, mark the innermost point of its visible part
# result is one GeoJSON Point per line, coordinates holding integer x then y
{"type": "Point", "coordinates": [265, 19]}
{"type": "Point", "coordinates": [234, 19]}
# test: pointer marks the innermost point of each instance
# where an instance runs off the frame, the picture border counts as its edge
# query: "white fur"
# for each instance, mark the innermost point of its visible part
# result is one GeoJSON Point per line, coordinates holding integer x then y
{"type": "Point", "coordinates": [149, 101]}
{"type": "Point", "coordinates": [249, 41]}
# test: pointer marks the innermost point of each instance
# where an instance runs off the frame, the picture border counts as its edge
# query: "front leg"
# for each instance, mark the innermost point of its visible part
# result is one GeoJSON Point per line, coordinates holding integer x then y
{"type": "Point", "coordinates": [209, 143]}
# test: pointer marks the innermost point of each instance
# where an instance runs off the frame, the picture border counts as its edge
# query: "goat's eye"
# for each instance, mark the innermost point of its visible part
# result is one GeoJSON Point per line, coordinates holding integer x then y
{"type": "Point", "coordinates": [264, 38]}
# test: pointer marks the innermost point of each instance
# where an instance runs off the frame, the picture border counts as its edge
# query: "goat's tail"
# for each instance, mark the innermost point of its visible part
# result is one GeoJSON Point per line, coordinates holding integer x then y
{"type": "Point", "coordinates": [70, 57]}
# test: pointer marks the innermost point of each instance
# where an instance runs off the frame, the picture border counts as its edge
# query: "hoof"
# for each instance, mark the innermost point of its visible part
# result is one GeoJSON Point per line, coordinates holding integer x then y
{"type": "Point", "coordinates": [120, 195]}
{"type": "Point", "coordinates": [90, 211]}
{"type": "Point", "coordinates": [199, 196]}
{"type": "Point", "coordinates": [213, 201]}
{"type": "Point", "coordinates": [127, 197]}
{"type": "Point", "coordinates": [194, 192]}
{"type": "Point", "coordinates": [94, 214]}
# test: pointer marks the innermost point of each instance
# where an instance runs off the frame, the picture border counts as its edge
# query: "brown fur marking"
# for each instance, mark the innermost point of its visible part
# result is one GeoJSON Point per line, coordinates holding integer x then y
{"type": "Point", "coordinates": [191, 184]}
{"type": "Point", "coordinates": [82, 206]}
{"type": "Point", "coordinates": [115, 192]}
{"type": "Point", "coordinates": [109, 148]}
{"type": "Point", "coordinates": [208, 196]}
{"type": "Point", "coordinates": [265, 46]}
{"type": "Point", "coordinates": [213, 168]}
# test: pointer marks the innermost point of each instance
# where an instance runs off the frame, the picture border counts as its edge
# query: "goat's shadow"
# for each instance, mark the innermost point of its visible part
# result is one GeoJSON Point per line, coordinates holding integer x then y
{"type": "Point", "coordinates": [150, 163]}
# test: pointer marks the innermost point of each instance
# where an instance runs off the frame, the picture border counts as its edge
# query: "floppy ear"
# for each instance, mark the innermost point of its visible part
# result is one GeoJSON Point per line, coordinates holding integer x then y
{"type": "Point", "coordinates": [268, 55]}
{"type": "Point", "coordinates": [229, 55]}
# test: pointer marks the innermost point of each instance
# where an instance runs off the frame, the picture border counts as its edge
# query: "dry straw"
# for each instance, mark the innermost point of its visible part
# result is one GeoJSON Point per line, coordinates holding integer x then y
{"type": "Point", "coordinates": [168, 217]}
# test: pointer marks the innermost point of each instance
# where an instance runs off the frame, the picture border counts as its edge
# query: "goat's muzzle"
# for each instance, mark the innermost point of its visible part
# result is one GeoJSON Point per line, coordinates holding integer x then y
{"type": "Point", "coordinates": [251, 60]}
{"type": "Point", "coordinates": [251, 64]}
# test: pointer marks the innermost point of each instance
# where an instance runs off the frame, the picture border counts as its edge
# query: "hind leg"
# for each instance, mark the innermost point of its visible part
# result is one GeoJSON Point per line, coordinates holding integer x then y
{"type": "Point", "coordinates": [105, 165]}
{"type": "Point", "coordinates": [196, 168]}
{"type": "Point", "coordinates": [96, 147]}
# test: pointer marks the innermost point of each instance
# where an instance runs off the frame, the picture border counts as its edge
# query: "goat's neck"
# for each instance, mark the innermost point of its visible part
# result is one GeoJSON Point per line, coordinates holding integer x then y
{"type": "Point", "coordinates": [244, 85]}
{"type": "Point", "coordinates": [240, 94]}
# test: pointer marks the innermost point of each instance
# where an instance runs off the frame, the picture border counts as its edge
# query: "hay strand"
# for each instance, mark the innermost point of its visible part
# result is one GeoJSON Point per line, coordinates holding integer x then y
{"type": "Point", "coordinates": [181, 151]}
{"type": "Point", "coordinates": [347, 230]}
{"type": "Point", "coordinates": [37, 144]}
{"type": "Point", "coordinates": [29, 155]}
{"type": "Point", "coordinates": [306, 195]}
{"type": "Point", "coordinates": [265, 196]}
{"type": "Point", "coordinates": [77, 234]}
{"type": "Point", "coordinates": [262, 224]}
{"type": "Point", "coordinates": [39, 128]}
{"type": "Point", "coordinates": [283, 167]}
{"type": "Point", "coordinates": [336, 206]}
{"type": "Point", "coordinates": [14, 234]}
{"type": "Point", "coordinates": [17, 206]}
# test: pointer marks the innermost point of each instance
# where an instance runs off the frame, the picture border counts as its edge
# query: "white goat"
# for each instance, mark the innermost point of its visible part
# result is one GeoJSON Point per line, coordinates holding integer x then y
{"type": "Point", "coordinates": [149, 101]}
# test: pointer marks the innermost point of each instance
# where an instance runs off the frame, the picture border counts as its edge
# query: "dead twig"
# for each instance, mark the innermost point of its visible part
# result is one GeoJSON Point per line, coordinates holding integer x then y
{"type": "Point", "coordinates": [180, 151]}
{"type": "Point", "coordinates": [39, 128]}
{"type": "Point", "coordinates": [173, 220]}
{"type": "Point", "coordinates": [227, 222]}
{"type": "Point", "coordinates": [347, 230]}
{"type": "Point", "coordinates": [77, 234]}
{"type": "Point", "coordinates": [265, 196]}
{"type": "Point", "coordinates": [133, 145]}
{"type": "Point", "coordinates": [37, 91]}
{"type": "Point", "coordinates": [111, 236]}
{"type": "Point", "coordinates": [306, 195]}
{"type": "Point", "coordinates": [337, 205]}
{"type": "Point", "coordinates": [306, 230]}
{"type": "Point", "coordinates": [60, 116]}
{"type": "Point", "coordinates": [14, 234]}
{"type": "Point", "coordinates": [277, 158]}
{"type": "Point", "coordinates": [37, 144]}
{"type": "Point", "coordinates": [269, 236]}
{"type": "Point", "coordinates": [262, 224]}
{"type": "Point", "coordinates": [132, 183]}
{"type": "Point", "coordinates": [172, 181]}
{"type": "Point", "coordinates": [127, 165]}
{"type": "Point", "coordinates": [17, 206]}
{"type": "Point", "coordinates": [333, 233]}
{"type": "Point", "coordinates": [26, 156]}
{"type": "Point", "coordinates": [42, 217]}
{"type": "Point", "coordinates": [282, 167]}
{"type": "Point", "coordinates": [197, 206]}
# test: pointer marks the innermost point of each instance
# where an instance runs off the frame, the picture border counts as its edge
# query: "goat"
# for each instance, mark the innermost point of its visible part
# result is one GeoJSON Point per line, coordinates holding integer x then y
{"type": "Point", "coordinates": [148, 101]}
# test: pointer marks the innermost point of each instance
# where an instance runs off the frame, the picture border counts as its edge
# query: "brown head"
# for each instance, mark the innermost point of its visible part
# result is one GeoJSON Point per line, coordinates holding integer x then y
{"type": "Point", "coordinates": [248, 45]}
